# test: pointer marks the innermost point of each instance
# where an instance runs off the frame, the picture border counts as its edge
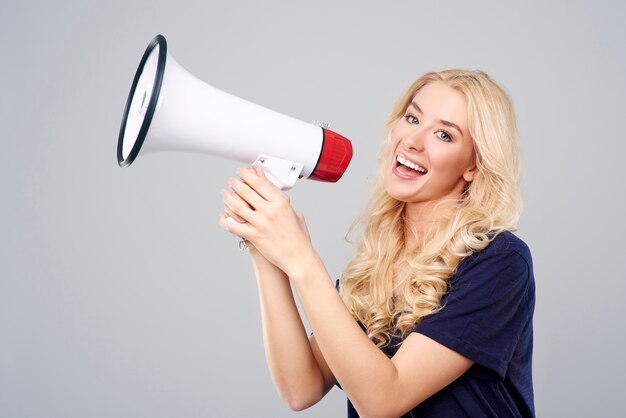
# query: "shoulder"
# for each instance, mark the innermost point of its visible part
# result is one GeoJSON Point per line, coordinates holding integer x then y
{"type": "Point", "coordinates": [507, 242]}
{"type": "Point", "coordinates": [506, 249]}
{"type": "Point", "coordinates": [505, 263]}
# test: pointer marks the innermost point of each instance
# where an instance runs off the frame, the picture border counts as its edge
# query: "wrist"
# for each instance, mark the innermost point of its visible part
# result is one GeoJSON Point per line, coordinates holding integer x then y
{"type": "Point", "coordinates": [258, 259]}
{"type": "Point", "coordinates": [307, 264]}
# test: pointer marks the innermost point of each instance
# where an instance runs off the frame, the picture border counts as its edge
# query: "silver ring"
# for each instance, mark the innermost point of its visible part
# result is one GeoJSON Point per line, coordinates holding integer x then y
{"type": "Point", "coordinates": [243, 244]}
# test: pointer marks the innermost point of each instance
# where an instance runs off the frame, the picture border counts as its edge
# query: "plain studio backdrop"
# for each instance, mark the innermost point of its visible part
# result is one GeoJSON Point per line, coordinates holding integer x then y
{"type": "Point", "coordinates": [121, 297]}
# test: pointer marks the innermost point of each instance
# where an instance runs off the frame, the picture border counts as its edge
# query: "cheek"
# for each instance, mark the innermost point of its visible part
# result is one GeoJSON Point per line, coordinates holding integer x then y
{"type": "Point", "coordinates": [394, 137]}
{"type": "Point", "coordinates": [399, 129]}
{"type": "Point", "coordinates": [449, 163]}
{"type": "Point", "coordinates": [392, 140]}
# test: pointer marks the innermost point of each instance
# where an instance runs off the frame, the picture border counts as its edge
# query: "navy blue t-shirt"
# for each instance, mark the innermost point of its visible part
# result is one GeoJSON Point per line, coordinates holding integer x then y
{"type": "Point", "coordinates": [487, 317]}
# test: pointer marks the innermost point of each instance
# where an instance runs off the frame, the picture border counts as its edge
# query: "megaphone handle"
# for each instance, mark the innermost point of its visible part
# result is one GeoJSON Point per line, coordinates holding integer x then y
{"type": "Point", "coordinates": [283, 173]}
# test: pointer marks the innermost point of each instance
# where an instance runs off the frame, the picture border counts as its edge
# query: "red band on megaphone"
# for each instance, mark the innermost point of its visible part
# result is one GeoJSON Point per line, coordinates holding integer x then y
{"type": "Point", "coordinates": [334, 158]}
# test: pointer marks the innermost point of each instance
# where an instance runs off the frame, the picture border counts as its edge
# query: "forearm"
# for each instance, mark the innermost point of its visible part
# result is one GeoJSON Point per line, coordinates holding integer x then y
{"type": "Point", "coordinates": [365, 373]}
{"type": "Point", "coordinates": [292, 364]}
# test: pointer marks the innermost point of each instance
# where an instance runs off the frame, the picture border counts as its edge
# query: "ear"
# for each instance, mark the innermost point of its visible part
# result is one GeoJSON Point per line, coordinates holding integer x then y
{"type": "Point", "coordinates": [469, 174]}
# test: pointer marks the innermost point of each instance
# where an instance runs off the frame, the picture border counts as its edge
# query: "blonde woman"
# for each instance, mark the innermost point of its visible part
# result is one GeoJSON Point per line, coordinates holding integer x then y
{"type": "Point", "coordinates": [433, 317]}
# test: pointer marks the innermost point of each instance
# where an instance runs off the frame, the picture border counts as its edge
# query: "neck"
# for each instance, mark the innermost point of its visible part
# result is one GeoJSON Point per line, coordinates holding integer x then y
{"type": "Point", "coordinates": [420, 216]}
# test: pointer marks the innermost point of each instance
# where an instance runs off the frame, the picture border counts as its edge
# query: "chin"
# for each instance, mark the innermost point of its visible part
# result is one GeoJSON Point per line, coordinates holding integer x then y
{"type": "Point", "coordinates": [397, 194]}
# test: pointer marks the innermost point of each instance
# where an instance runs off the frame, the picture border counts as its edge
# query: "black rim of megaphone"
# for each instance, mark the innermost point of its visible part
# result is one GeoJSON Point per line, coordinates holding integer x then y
{"type": "Point", "coordinates": [159, 41]}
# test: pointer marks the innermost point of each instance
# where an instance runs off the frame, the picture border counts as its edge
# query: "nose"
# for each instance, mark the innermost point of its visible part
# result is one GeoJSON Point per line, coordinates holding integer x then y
{"type": "Point", "coordinates": [415, 139]}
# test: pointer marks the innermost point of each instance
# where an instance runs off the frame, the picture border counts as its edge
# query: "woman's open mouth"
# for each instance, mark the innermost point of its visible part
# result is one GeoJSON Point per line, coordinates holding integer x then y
{"type": "Point", "coordinates": [406, 168]}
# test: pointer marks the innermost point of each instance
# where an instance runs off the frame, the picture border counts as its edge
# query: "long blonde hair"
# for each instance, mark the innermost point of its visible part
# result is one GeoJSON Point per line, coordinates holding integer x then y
{"type": "Point", "coordinates": [490, 204]}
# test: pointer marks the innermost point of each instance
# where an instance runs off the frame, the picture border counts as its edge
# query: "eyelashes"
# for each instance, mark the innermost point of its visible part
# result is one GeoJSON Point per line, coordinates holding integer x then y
{"type": "Point", "coordinates": [412, 119]}
{"type": "Point", "coordinates": [441, 133]}
{"type": "Point", "coordinates": [444, 135]}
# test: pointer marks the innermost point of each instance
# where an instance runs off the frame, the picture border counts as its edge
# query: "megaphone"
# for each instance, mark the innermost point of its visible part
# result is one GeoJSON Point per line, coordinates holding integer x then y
{"type": "Point", "coordinates": [168, 109]}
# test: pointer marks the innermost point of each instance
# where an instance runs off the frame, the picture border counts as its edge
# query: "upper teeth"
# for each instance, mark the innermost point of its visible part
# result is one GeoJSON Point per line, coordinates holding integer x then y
{"type": "Point", "coordinates": [409, 164]}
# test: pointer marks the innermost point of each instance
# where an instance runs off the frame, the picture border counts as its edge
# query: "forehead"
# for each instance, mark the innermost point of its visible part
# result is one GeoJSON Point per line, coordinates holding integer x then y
{"type": "Point", "coordinates": [439, 101]}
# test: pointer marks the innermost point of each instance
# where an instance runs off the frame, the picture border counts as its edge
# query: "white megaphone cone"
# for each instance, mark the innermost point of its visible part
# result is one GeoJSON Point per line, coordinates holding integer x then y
{"type": "Point", "coordinates": [168, 109]}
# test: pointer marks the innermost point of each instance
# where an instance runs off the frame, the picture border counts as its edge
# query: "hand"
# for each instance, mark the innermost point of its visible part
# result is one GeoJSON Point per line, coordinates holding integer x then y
{"type": "Point", "coordinates": [271, 225]}
{"type": "Point", "coordinates": [234, 218]}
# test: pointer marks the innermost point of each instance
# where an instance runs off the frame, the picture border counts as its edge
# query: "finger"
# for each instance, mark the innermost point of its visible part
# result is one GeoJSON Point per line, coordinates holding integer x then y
{"type": "Point", "coordinates": [237, 205]}
{"type": "Point", "coordinates": [235, 228]}
{"type": "Point", "coordinates": [230, 214]}
{"type": "Point", "coordinates": [234, 196]}
{"type": "Point", "coordinates": [256, 179]}
{"type": "Point", "coordinates": [259, 171]}
{"type": "Point", "coordinates": [246, 193]}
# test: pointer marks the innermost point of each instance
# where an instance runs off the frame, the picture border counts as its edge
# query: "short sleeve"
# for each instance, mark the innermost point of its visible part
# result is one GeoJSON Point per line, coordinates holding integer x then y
{"type": "Point", "coordinates": [488, 306]}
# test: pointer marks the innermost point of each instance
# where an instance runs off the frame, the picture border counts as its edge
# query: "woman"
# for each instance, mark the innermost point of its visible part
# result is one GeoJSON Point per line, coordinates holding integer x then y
{"type": "Point", "coordinates": [433, 317]}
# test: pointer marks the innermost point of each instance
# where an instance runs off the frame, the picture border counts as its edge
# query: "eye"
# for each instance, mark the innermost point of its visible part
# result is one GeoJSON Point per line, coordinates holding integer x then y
{"type": "Point", "coordinates": [444, 135]}
{"type": "Point", "coordinates": [411, 119]}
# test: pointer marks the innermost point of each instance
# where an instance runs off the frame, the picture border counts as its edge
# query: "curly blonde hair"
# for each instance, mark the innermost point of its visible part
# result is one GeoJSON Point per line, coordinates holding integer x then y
{"type": "Point", "coordinates": [490, 204]}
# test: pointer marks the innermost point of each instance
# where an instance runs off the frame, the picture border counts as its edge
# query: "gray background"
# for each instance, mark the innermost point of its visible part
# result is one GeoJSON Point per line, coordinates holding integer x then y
{"type": "Point", "coordinates": [119, 294]}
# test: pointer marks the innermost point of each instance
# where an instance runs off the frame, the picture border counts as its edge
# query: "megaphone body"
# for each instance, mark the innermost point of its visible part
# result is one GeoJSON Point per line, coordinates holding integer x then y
{"type": "Point", "coordinates": [168, 109]}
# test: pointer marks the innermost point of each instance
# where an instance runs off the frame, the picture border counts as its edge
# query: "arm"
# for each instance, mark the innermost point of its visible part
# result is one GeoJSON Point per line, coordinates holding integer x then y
{"type": "Point", "coordinates": [376, 385]}
{"type": "Point", "coordinates": [298, 370]}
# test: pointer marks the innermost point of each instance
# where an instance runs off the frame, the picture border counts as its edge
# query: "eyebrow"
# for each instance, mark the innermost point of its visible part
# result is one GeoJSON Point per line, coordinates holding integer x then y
{"type": "Point", "coordinates": [443, 122]}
